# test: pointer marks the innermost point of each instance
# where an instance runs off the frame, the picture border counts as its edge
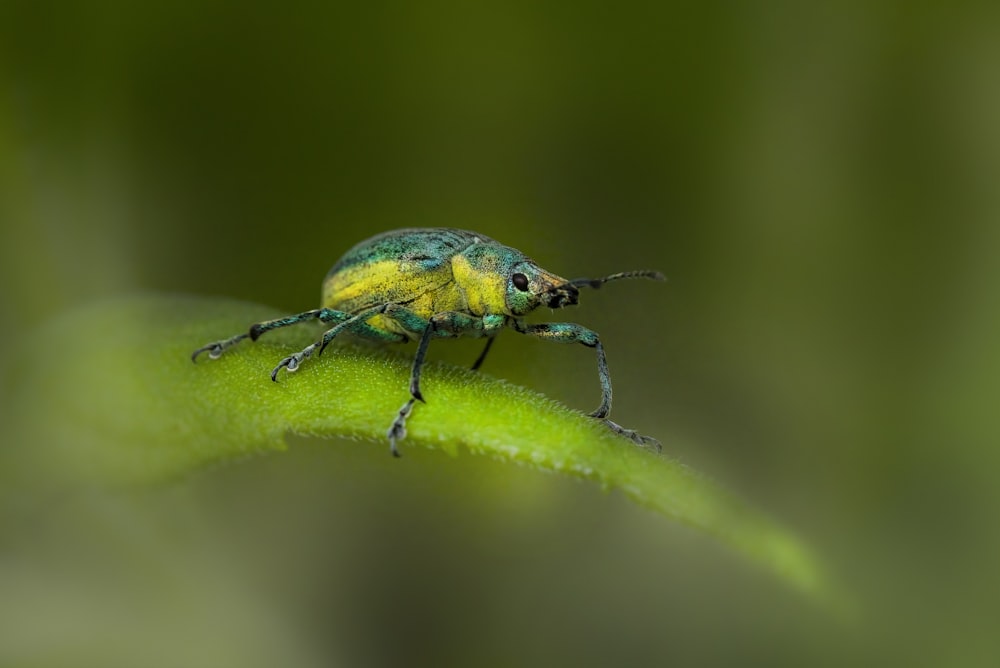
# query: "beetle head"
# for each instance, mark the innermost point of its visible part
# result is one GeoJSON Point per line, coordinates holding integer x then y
{"type": "Point", "coordinates": [498, 279]}
{"type": "Point", "coordinates": [529, 286]}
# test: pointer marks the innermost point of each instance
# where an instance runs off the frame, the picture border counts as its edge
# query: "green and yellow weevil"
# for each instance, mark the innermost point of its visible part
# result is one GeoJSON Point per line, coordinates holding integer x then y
{"type": "Point", "coordinates": [420, 284]}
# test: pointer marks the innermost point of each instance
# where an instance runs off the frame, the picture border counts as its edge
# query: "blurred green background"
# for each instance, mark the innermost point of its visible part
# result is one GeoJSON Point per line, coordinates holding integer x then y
{"type": "Point", "coordinates": [820, 184]}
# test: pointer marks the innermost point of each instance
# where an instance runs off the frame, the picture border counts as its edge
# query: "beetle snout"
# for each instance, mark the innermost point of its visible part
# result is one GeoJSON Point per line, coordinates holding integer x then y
{"type": "Point", "coordinates": [564, 295]}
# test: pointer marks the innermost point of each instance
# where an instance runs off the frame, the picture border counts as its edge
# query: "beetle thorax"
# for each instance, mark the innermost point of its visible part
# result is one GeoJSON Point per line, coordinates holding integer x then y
{"type": "Point", "coordinates": [484, 287]}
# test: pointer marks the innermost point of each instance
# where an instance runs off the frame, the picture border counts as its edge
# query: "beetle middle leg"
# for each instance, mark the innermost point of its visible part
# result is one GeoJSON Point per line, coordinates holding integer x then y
{"type": "Point", "coordinates": [482, 356]}
{"type": "Point", "coordinates": [447, 324]}
{"type": "Point", "coordinates": [568, 332]}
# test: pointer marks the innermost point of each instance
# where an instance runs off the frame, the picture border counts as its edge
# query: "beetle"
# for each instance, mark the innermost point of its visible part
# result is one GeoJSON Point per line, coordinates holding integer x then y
{"type": "Point", "coordinates": [420, 284]}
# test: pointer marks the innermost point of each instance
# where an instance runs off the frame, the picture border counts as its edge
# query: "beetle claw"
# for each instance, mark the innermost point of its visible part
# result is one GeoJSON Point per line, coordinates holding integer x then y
{"type": "Point", "coordinates": [642, 441]}
{"type": "Point", "coordinates": [289, 362]}
{"type": "Point", "coordinates": [216, 348]}
{"type": "Point", "coordinates": [397, 430]}
{"type": "Point", "coordinates": [214, 351]}
{"type": "Point", "coordinates": [292, 362]}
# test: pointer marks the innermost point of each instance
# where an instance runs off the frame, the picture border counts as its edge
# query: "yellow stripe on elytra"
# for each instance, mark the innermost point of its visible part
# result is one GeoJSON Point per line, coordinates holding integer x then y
{"type": "Point", "coordinates": [360, 281]}
{"type": "Point", "coordinates": [423, 291]}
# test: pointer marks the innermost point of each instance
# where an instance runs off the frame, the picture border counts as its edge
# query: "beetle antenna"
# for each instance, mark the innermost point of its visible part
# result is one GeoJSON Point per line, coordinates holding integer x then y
{"type": "Point", "coordinates": [598, 282]}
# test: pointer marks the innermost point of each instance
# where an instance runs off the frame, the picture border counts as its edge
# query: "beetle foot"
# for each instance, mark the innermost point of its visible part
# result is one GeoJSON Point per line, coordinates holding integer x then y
{"type": "Point", "coordinates": [214, 351]}
{"type": "Point", "coordinates": [397, 432]}
{"type": "Point", "coordinates": [292, 362]}
{"type": "Point", "coordinates": [631, 434]}
{"type": "Point", "coordinates": [216, 348]}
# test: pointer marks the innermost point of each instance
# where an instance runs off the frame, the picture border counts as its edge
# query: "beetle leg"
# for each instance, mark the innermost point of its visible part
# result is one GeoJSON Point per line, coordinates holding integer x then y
{"type": "Point", "coordinates": [217, 348]}
{"type": "Point", "coordinates": [292, 362]}
{"type": "Point", "coordinates": [418, 363]}
{"type": "Point", "coordinates": [359, 317]}
{"type": "Point", "coordinates": [441, 325]}
{"type": "Point", "coordinates": [343, 320]}
{"type": "Point", "coordinates": [568, 332]}
{"type": "Point", "coordinates": [411, 322]}
{"type": "Point", "coordinates": [491, 326]}
{"type": "Point", "coordinates": [482, 356]}
{"type": "Point", "coordinates": [397, 430]}
{"type": "Point", "coordinates": [447, 324]}
{"type": "Point", "coordinates": [323, 314]}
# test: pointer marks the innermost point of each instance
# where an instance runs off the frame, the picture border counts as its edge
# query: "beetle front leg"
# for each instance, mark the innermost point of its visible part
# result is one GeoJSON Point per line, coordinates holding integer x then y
{"type": "Point", "coordinates": [634, 436]}
{"type": "Point", "coordinates": [568, 332]}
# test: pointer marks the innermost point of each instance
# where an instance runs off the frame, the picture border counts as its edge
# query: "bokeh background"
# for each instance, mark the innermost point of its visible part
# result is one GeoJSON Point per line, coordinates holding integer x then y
{"type": "Point", "coordinates": [819, 181]}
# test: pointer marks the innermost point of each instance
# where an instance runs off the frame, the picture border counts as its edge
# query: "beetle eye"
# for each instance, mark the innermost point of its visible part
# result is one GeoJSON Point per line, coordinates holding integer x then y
{"type": "Point", "coordinates": [520, 282]}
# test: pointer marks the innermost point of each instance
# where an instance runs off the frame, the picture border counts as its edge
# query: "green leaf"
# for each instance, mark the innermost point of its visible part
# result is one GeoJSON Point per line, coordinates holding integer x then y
{"type": "Point", "coordinates": [108, 395]}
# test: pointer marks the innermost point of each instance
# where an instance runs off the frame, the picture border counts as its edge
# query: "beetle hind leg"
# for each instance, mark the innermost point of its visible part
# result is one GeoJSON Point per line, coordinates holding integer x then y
{"type": "Point", "coordinates": [216, 348]}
